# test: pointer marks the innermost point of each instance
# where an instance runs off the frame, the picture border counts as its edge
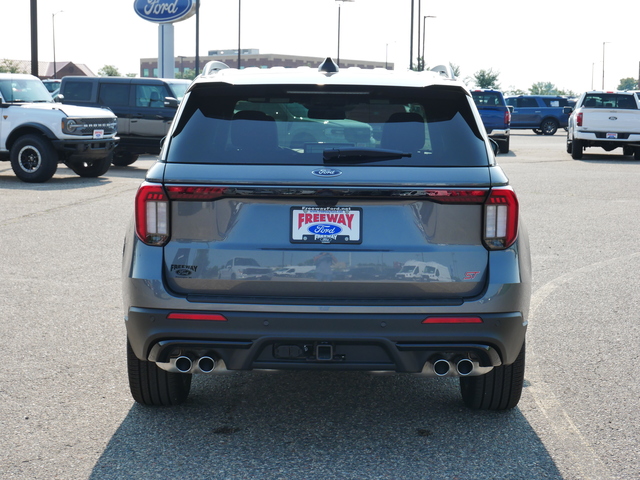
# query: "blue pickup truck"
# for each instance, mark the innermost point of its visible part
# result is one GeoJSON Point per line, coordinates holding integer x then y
{"type": "Point", "coordinates": [495, 115]}
{"type": "Point", "coordinates": [541, 113]}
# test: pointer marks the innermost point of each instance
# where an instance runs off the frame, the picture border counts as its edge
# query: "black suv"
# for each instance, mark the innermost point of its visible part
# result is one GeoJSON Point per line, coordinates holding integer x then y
{"type": "Point", "coordinates": [145, 108]}
{"type": "Point", "coordinates": [233, 200]}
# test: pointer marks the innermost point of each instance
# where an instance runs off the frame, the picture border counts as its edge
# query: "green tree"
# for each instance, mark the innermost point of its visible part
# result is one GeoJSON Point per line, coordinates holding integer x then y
{"type": "Point", "coordinates": [486, 79]}
{"type": "Point", "coordinates": [187, 74]}
{"type": "Point", "coordinates": [628, 83]}
{"type": "Point", "coordinates": [109, 71]}
{"type": "Point", "coordinates": [10, 66]}
{"type": "Point", "coordinates": [543, 88]}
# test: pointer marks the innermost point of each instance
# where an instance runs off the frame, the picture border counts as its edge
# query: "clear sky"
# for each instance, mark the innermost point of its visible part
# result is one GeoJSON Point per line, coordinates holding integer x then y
{"type": "Point", "coordinates": [526, 42]}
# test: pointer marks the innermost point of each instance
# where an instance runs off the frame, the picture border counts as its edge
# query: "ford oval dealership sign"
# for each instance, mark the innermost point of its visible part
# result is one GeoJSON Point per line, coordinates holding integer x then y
{"type": "Point", "coordinates": [164, 11]}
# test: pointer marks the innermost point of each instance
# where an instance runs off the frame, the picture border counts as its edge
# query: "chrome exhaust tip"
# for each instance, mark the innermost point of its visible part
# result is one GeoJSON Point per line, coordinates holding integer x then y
{"type": "Point", "coordinates": [206, 364]}
{"type": "Point", "coordinates": [464, 367]}
{"type": "Point", "coordinates": [441, 367]}
{"type": "Point", "coordinates": [183, 364]}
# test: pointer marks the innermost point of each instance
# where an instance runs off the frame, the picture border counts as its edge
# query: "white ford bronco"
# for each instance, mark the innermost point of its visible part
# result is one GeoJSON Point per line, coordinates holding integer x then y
{"type": "Point", "coordinates": [36, 134]}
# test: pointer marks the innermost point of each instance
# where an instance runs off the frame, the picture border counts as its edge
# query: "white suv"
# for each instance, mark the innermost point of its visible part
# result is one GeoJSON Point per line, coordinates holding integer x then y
{"type": "Point", "coordinates": [36, 134]}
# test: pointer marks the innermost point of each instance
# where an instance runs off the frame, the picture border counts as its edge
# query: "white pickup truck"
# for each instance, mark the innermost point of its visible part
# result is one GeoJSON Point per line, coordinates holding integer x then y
{"type": "Point", "coordinates": [605, 119]}
{"type": "Point", "coordinates": [36, 134]}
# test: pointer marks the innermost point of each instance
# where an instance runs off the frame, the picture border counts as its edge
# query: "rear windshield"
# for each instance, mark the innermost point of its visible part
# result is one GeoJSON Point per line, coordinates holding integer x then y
{"type": "Point", "coordinates": [488, 99]}
{"type": "Point", "coordinates": [299, 124]}
{"type": "Point", "coordinates": [610, 100]}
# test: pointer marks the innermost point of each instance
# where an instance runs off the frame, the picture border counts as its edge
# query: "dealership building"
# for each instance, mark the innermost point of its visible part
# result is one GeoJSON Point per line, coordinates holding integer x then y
{"type": "Point", "coordinates": [250, 58]}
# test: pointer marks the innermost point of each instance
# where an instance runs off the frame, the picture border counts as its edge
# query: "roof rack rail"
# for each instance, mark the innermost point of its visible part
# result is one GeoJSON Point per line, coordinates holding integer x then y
{"type": "Point", "coordinates": [444, 70]}
{"type": "Point", "coordinates": [213, 67]}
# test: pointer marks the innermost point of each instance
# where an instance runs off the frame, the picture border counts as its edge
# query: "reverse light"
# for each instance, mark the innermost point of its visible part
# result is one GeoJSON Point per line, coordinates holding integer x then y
{"type": "Point", "coordinates": [501, 218]}
{"type": "Point", "coordinates": [152, 214]}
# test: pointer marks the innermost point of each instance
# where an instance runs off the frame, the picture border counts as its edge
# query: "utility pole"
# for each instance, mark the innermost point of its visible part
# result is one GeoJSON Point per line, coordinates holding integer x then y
{"type": "Point", "coordinates": [34, 38]}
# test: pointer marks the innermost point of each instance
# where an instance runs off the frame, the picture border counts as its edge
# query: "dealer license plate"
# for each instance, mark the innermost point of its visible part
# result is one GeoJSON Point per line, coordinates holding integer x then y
{"type": "Point", "coordinates": [326, 225]}
{"type": "Point", "coordinates": [612, 136]}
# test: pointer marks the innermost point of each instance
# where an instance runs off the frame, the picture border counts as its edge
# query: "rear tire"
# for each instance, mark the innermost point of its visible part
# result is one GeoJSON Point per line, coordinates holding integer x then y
{"type": "Point", "coordinates": [549, 126]}
{"type": "Point", "coordinates": [33, 159]}
{"type": "Point", "coordinates": [150, 385]}
{"type": "Point", "coordinates": [500, 389]}
{"type": "Point", "coordinates": [123, 159]}
{"type": "Point", "coordinates": [92, 169]}
{"type": "Point", "coordinates": [504, 145]}
{"type": "Point", "coordinates": [576, 149]}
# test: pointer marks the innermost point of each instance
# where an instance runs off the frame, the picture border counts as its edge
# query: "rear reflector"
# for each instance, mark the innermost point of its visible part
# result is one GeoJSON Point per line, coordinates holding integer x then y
{"type": "Point", "coordinates": [210, 317]}
{"type": "Point", "coordinates": [449, 320]}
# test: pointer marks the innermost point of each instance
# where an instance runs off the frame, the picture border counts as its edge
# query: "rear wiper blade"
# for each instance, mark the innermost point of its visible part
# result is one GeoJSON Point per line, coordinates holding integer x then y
{"type": "Point", "coordinates": [361, 155]}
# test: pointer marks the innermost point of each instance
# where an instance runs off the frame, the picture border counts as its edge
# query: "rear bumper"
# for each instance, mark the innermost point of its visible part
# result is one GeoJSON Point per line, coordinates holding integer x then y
{"type": "Point", "coordinates": [394, 342]}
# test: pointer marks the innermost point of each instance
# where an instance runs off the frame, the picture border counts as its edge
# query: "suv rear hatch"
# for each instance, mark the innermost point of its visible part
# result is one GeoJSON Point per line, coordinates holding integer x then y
{"type": "Point", "coordinates": [241, 203]}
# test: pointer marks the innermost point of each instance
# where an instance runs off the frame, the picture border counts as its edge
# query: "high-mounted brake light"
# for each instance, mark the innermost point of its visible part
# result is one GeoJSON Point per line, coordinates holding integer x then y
{"type": "Point", "coordinates": [501, 218]}
{"type": "Point", "coordinates": [152, 214]}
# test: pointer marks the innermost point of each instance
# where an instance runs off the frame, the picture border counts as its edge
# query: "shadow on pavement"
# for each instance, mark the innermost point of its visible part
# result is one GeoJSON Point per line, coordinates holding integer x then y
{"type": "Point", "coordinates": [319, 425]}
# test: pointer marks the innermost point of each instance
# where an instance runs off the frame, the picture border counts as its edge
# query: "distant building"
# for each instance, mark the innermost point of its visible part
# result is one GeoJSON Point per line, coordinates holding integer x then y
{"type": "Point", "coordinates": [251, 58]}
{"type": "Point", "coordinates": [45, 69]}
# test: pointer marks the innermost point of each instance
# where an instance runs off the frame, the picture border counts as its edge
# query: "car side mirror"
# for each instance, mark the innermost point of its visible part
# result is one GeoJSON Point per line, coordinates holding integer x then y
{"type": "Point", "coordinates": [567, 110]}
{"type": "Point", "coordinates": [58, 98]}
{"type": "Point", "coordinates": [510, 108]}
{"type": "Point", "coordinates": [171, 102]}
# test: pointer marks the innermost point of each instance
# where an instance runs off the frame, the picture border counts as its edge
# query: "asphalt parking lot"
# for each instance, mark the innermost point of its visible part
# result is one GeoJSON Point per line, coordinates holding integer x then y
{"type": "Point", "coordinates": [66, 411]}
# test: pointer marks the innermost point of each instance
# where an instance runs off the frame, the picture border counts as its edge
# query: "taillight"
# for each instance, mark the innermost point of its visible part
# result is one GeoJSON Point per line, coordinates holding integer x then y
{"type": "Point", "coordinates": [507, 117]}
{"type": "Point", "coordinates": [579, 118]}
{"type": "Point", "coordinates": [501, 218]}
{"type": "Point", "coordinates": [192, 192]}
{"type": "Point", "coordinates": [152, 214]}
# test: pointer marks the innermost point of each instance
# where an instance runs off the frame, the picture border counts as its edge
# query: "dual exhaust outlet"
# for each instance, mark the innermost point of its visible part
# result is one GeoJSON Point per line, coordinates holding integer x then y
{"type": "Point", "coordinates": [458, 367]}
{"type": "Point", "coordinates": [185, 364]}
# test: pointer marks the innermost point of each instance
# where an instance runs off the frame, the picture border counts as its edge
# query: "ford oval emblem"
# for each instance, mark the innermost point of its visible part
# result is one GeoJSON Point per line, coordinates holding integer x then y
{"type": "Point", "coordinates": [164, 11]}
{"type": "Point", "coordinates": [324, 229]}
{"type": "Point", "coordinates": [613, 118]}
{"type": "Point", "coordinates": [326, 172]}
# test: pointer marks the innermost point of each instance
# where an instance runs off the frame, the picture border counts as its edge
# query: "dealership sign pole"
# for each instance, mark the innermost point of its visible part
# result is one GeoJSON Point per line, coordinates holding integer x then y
{"type": "Point", "coordinates": [165, 13]}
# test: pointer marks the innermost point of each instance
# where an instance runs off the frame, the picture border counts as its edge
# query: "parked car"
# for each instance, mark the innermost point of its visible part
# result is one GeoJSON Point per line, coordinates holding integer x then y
{"type": "Point", "coordinates": [544, 114]}
{"type": "Point", "coordinates": [52, 85]}
{"type": "Point", "coordinates": [37, 134]}
{"type": "Point", "coordinates": [608, 120]}
{"type": "Point", "coordinates": [495, 115]}
{"type": "Point", "coordinates": [229, 185]}
{"type": "Point", "coordinates": [145, 108]}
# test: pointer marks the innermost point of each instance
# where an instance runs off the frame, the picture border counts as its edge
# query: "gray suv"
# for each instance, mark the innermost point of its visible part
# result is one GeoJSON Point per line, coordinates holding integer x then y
{"type": "Point", "coordinates": [231, 201]}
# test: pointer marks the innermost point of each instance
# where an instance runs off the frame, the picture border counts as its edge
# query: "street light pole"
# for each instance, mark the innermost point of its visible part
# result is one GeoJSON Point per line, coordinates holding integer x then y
{"type": "Point", "coordinates": [603, 44]}
{"type": "Point", "coordinates": [339, 5]}
{"type": "Point", "coordinates": [424, 36]}
{"type": "Point", "coordinates": [239, 13]}
{"type": "Point", "coordinates": [53, 28]}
